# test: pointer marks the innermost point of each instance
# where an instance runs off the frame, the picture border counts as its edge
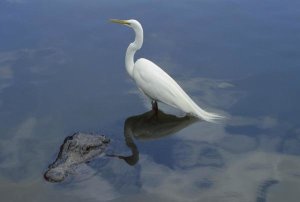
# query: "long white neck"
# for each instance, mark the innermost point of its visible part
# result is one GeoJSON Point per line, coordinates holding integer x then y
{"type": "Point", "coordinates": [132, 48]}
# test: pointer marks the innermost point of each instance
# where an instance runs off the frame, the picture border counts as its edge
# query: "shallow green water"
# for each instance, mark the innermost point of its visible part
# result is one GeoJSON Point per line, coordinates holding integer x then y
{"type": "Point", "coordinates": [62, 71]}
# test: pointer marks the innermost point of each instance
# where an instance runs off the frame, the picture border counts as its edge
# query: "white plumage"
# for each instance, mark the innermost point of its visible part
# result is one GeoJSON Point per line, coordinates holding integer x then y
{"type": "Point", "coordinates": [155, 82]}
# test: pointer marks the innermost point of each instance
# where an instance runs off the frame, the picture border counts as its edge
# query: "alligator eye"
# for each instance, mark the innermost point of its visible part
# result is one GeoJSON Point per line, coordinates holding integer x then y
{"type": "Point", "coordinates": [85, 149]}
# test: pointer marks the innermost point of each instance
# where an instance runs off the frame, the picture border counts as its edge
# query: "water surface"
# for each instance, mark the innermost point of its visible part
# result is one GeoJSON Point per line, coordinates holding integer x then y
{"type": "Point", "coordinates": [62, 71]}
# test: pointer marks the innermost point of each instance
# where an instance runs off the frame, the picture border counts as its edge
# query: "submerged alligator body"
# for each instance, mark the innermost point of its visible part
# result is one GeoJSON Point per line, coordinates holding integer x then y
{"type": "Point", "coordinates": [76, 149]}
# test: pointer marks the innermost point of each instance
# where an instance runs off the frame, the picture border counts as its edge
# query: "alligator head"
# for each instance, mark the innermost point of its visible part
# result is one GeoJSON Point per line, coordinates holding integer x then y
{"type": "Point", "coordinates": [76, 149]}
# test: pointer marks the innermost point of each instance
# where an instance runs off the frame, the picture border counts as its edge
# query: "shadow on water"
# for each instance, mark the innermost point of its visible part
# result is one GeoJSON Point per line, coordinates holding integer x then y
{"type": "Point", "coordinates": [149, 126]}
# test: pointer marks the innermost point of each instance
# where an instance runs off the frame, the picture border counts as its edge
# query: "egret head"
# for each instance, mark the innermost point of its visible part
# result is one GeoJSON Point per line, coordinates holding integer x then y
{"type": "Point", "coordinates": [134, 24]}
{"type": "Point", "coordinates": [137, 27]}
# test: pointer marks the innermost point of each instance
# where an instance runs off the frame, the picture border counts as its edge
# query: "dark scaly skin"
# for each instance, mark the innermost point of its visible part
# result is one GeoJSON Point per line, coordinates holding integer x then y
{"type": "Point", "coordinates": [76, 149]}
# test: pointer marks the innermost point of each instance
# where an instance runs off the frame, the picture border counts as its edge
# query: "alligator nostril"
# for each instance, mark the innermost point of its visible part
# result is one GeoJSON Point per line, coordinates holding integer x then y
{"type": "Point", "coordinates": [55, 175]}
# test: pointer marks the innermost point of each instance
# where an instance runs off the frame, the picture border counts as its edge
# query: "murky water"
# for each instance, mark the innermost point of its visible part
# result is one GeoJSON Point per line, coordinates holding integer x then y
{"type": "Point", "coordinates": [62, 71]}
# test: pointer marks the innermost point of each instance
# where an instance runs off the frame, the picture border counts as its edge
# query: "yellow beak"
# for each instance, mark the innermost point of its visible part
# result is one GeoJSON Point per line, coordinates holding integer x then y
{"type": "Point", "coordinates": [122, 22]}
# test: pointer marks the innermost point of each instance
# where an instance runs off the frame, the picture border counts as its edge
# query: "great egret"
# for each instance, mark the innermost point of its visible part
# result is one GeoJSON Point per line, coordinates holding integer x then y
{"type": "Point", "coordinates": [155, 82]}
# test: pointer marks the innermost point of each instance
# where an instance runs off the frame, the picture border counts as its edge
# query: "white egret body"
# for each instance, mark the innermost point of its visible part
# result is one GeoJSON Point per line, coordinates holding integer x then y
{"type": "Point", "coordinates": [155, 82]}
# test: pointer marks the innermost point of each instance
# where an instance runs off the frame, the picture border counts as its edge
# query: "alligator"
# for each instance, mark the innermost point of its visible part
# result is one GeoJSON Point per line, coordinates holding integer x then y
{"type": "Point", "coordinates": [76, 149]}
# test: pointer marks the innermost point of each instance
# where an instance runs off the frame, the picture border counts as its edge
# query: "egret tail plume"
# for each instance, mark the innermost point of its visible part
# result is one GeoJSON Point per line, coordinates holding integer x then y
{"type": "Point", "coordinates": [204, 115]}
{"type": "Point", "coordinates": [207, 116]}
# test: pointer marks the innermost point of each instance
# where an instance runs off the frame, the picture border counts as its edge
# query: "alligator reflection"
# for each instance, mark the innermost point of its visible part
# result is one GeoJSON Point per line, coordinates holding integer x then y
{"type": "Point", "coordinates": [149, 126]}
{"type": "Point", "coordinates": [76, 149]}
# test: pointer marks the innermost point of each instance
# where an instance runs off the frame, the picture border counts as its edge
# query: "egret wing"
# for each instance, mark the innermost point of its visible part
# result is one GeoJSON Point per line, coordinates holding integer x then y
{"type": "Point", "coordinates": [158, 85]}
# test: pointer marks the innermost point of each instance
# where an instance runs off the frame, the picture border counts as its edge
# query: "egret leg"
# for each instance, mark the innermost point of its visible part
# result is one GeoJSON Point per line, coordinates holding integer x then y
{"type": "Point", "coordinates": [154, 106]}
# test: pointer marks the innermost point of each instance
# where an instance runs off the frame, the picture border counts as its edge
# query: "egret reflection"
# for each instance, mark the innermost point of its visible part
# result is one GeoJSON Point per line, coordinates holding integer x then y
{"type": "Point", "coordinates": [149, 126]}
